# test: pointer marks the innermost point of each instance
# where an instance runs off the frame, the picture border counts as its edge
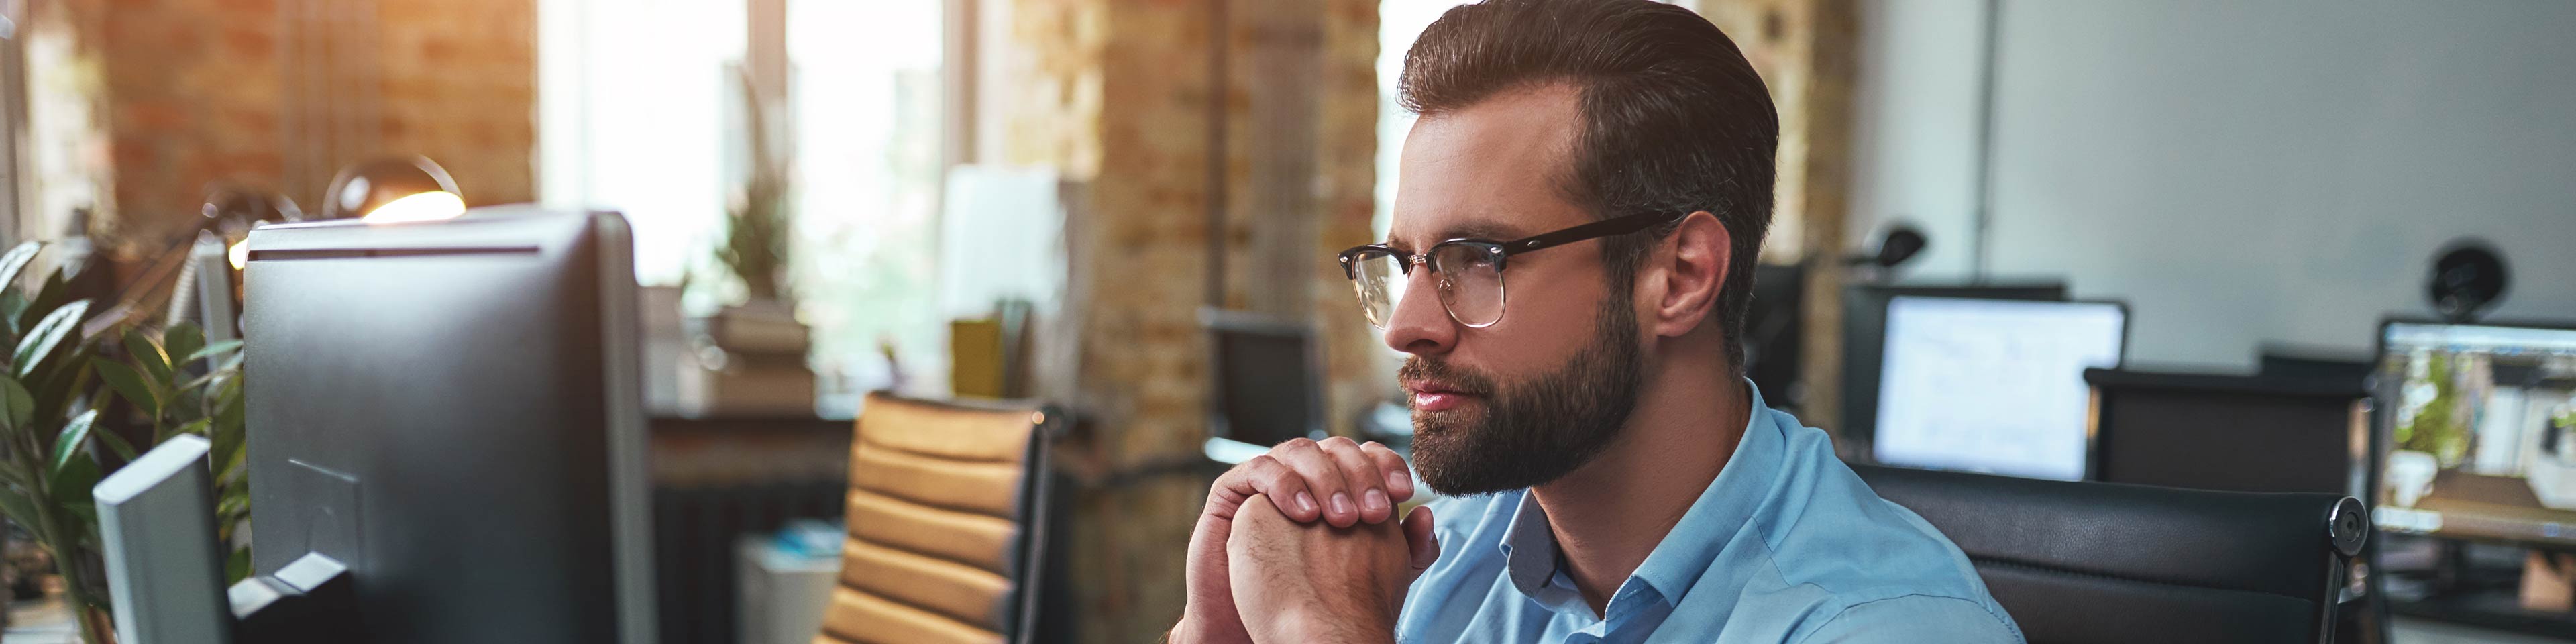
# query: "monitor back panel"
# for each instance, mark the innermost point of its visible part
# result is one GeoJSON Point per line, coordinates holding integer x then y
{"type": "Point", "coordinates": [434, 408]}
{"type": "Point", "coordinates": [1267, 384]}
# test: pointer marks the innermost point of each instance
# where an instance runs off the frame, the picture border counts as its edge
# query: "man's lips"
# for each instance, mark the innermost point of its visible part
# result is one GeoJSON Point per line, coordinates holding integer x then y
{"type": "Point", "coordinates": [1430, 396]}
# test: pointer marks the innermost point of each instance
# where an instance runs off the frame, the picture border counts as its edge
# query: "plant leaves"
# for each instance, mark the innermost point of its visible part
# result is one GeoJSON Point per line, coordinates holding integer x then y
{"type": "Point", "coordinates": [148, 354]}
{"type": "Point", "coordinates": [48, 334]}
{"type": "Point", "coordinates": [116, 444]}
{"type": "Point", "coordinates": [75, 433]}
{"type": "Point", "coordinates": [129, 384]}
{"type": "Point", "coordinates": [16, 260]}
{"type": "Point", "coordinates": [229, 411]}
{"type": "Point", "coordinates": [18, 508]}
{"type": "Point", "coordinates": [238, 567]}
{"type": "Point", "coordinates": [212, 350]}
{"type": "Point", "coordinates": [21, 405]}
{"type": "Point", "coordinates": [72, 483]}
{"type": "Point", "coordinates": [52, 294]}
{"type": "Point", "coordinates": [183, 339]}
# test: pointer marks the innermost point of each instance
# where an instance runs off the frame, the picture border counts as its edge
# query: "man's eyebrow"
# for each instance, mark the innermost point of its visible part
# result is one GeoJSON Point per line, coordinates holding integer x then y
{"type": "Point", "coordinates": [1478, 230]}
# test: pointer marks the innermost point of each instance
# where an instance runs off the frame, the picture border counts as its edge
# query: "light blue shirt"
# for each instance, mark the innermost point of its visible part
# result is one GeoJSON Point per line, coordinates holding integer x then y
{"type": "Point", "coordinates": [1786, 545]}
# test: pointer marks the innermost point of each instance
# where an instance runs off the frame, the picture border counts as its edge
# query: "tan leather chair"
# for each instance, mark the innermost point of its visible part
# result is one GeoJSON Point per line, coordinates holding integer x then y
{"type": "Point", "coordinates": [947, 519]}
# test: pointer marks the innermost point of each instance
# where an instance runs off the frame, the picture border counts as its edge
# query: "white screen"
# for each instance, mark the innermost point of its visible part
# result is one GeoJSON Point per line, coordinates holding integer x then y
{"type": "Point", "coordinates": [1993, 386]}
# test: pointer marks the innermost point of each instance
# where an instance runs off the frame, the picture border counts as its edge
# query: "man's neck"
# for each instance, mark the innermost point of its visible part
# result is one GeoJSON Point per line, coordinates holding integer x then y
{"type": "Point", "coordinates": [1610, 513]}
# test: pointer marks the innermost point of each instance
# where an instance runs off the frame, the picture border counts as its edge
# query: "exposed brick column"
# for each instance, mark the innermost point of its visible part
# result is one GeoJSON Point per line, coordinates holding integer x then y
{"type": "Point", "coordinates": [1118, 96]}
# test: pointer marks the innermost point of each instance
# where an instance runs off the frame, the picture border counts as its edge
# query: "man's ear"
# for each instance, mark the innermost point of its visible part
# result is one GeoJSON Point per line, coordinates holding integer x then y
{"type": "Point", "coordinates": [1695, 260]}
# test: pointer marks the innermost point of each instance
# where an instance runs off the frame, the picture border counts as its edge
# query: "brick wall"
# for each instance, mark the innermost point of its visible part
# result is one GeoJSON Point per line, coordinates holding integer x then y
{"type": "Point", "coordinates": [1118, 94]}
{"type": "Point", "coordinates": [282, 93]}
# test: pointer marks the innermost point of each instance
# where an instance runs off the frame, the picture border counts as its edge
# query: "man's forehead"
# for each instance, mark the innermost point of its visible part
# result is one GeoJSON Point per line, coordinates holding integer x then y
{"type": "Point", "coordinates": [1492, 170]}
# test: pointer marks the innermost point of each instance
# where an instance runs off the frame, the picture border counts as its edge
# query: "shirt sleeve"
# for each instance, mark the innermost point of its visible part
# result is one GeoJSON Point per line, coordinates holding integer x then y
{"type": "Point", "coordinates": [1916, 619]}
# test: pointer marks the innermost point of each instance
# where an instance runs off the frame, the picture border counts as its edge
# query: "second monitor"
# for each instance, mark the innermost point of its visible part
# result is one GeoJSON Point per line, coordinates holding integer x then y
{"type": "Point", "coordinates": [1994, 386]}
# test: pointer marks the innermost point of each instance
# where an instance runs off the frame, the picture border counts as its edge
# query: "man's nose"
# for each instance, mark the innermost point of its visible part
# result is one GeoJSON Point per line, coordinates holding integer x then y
{"type": "Point", "coordinates": [1420, 324]}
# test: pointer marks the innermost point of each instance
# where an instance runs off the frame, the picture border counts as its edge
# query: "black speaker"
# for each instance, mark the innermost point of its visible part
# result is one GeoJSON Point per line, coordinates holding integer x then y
{"type": "Point", "coordinates": [2468, 278]}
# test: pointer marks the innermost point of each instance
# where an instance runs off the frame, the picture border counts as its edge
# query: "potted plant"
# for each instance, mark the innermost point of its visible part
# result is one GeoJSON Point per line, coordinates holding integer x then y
{"type": "Point", "coordinates": [52, 449]}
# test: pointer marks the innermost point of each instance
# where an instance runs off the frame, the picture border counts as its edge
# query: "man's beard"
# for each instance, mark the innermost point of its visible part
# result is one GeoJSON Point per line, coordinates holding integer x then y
{"type": "Point", "coordinates": [1533, 432]}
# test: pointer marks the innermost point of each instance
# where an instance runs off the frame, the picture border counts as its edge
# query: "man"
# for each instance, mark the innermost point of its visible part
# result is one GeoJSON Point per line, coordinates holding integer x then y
{"type": "Point", "coordinates": [1614, 478]}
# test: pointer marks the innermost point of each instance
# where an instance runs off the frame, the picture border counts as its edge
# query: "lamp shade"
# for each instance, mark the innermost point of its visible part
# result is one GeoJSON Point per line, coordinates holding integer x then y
{"type": "Point", "coordinates": [403, 188]}
{"type": "Point", "coordinates": [233, 208]}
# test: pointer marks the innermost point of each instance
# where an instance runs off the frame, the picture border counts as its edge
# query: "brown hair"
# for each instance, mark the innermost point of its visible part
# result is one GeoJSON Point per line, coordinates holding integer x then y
{"type": "Point", "coordinates": [1675, 120]}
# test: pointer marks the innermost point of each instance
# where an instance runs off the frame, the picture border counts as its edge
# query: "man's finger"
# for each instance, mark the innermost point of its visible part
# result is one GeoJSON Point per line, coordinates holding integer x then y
{"type": "Point", "coordinates": [1360, 476]}
{"type": "Point", "coordinates": [1418, 538]}
{"type": "Point", "coordinates": [1323, 478]}
{"type": "Point", "coordinates": [1263, 475]}
{"type": "Point", "coordinates": [1399, 475]}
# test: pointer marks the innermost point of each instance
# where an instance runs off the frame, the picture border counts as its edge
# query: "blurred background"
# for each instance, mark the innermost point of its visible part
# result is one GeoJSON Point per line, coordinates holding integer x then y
{"type": "Point", "coordinates": [1104, 204]}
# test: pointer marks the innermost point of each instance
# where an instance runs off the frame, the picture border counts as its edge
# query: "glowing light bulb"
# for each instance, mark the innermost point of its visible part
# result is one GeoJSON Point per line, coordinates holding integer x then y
{"type": "Point", "coordinates": [240, 253]}
{"type": "Point", "coordinates": [434, 205]}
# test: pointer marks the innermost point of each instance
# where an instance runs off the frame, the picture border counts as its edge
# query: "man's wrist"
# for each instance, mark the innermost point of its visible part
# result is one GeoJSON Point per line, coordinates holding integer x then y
{"type": "Point", "coordinates": [1354, 627]}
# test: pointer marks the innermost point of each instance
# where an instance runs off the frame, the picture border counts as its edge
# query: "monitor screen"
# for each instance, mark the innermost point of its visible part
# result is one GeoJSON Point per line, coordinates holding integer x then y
{"type": "Point", "coordinates": [1266, 384]}
{"type": "Point", "coordinates": [1865, 338]}
{"type": "Point", "coordinates": [2478, 428]}
{"type": "Point", "coordinates": [1994, 386]}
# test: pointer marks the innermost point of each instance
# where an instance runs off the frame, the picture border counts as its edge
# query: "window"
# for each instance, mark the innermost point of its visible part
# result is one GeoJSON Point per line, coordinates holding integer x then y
{"type": "Point", "coordinates": [641, 112]}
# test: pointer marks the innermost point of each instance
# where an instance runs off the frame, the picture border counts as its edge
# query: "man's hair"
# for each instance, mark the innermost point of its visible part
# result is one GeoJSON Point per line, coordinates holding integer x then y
{"type": "Point", "coordinates": [1675, 120]}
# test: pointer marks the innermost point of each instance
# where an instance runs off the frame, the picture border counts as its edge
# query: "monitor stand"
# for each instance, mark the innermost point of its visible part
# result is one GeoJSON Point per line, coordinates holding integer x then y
{"type": "Point", "coordinates": [157, 518]}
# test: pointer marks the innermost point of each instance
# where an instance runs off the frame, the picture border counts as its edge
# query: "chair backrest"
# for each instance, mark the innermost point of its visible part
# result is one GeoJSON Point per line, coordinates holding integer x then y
{"type": "Point", "coordinates": [2109, 563]}
{"type": "Point", "coordinates": [947, 519]}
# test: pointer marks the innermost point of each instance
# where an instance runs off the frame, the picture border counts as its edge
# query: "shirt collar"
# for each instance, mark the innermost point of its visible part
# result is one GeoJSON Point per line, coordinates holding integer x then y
{"type": "Point", "coordinates": [1722, 510]}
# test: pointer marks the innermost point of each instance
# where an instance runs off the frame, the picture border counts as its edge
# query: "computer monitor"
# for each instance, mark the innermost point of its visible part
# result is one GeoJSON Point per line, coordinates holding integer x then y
{"type": "Point", "coordinates": [1994, 386]}
{"type": "Point", "coordinates": [1267, 383]}
{"type": "Point", "coordinates": [1865, 338]}
{"type": "Point", "coordinates": [2478, 431]}
{"type": "Point", "coordinates": [2296, 432]}
{"type": "Point", "coordinates": [453, 411]}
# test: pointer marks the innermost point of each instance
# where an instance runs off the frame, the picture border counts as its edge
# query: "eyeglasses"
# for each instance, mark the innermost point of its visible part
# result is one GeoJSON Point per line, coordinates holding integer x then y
{"type": "Point", "coordinates": [1469, 271]}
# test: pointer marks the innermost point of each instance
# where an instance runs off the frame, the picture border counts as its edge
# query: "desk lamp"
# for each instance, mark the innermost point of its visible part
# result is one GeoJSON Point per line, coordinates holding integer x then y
{"type": "Point", "coordinates": [393, 189]}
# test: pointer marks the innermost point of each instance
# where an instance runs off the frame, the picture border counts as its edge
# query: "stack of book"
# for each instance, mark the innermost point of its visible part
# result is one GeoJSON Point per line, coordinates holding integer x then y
{"type": "Point", "coordinates": [752, 361]}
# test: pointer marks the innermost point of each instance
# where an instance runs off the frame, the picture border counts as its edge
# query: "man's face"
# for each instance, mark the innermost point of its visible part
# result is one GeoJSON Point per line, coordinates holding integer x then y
{"type": "Point", "coordinates": [1537, 394]}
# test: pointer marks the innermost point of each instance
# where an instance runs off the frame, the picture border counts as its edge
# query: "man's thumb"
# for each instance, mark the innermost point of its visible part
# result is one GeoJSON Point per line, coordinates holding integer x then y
{"type": "Point", "coordinates": [1417, 537]}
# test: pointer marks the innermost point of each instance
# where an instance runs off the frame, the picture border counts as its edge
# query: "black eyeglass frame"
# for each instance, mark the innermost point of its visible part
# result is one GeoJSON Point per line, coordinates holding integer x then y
{"type": "Point", "coordinates": [1500, 252]}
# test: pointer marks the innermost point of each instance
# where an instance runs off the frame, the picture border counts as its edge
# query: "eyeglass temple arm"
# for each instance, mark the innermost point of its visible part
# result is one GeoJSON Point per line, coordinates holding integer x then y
{"type": "Point", "coordinates": [1603, 228]}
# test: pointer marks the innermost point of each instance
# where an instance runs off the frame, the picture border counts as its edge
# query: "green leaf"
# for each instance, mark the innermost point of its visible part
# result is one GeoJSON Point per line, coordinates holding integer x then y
{"type": "Point", "coordinates": [15, 262]}
{"type": "Point", "coordinates": [228, 409]}
{"type": "Point", "coordinates": [212, 350]}
{"type": "Point", "coordinates": [75, 434]}
{"type": "Point", "coordinates": [48, 334]}
{"type": "Point", "coordinates": [129, 384]}
{"type": "Point", "coordinates": [147, 354]}
{"type": "Point", "coordinates": [183, 339]}
{"type": "Point", "coordinates": [72, 483]}
{"type": "Point", "coordinates": [12, 305]}
{"type": "Point", "coordinates": [21, 405]}
{"type": "Point", "coordinates": [238, 567]}
{"type": "Point", "coordinates": [55, 290]}
{"type": "Point", "coordinates": [18, 508]}
{"type": "Point", "coordinates": [116, 444]}
{"type": "Point", "coordinates": [233, 462]}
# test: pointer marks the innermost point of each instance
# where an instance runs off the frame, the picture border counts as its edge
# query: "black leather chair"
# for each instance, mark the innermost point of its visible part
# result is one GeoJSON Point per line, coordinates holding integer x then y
{"type": "Point", "coordinates": [2099, 563]}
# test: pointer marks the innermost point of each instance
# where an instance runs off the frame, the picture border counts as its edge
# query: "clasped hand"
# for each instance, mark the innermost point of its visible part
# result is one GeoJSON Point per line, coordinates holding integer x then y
{"type": "Point", "coordinates": [1300, 545]}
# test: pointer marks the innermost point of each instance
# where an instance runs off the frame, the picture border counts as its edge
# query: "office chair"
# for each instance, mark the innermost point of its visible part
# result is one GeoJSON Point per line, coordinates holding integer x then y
{"type": "Point", "coordinates": [2100, 563]}
{"type": "Point", "coordinates": [947, 523]}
